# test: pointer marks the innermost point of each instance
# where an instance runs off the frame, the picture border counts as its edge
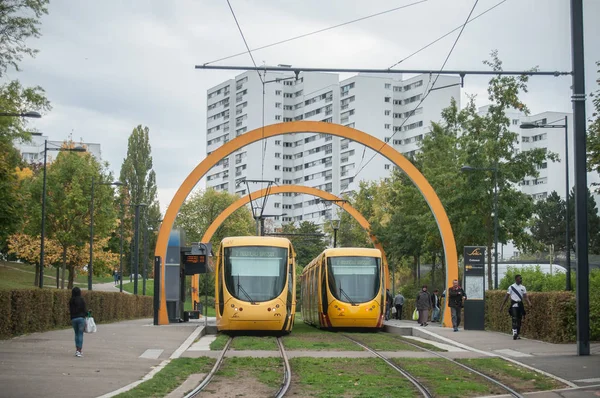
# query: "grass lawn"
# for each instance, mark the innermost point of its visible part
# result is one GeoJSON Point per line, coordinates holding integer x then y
{"type": "Point", "coordinates": [13, 279]}
{"type": "Point", "coordinates": [347, 377]}
{"type": "Point", "coordinates": [171, 377]}
{"type": "Point", "coordinates": [268, 371]}
{"type": "Point", "coordinates": [445, 379]}
{"type": "Point", "coordinates": [267, 343]}
{"type": "Point", "coordinates": [305, 337]}
{"type": "Point", "coordinates": [51, 271]}
{"type": "Point", "coordinates": [517, 377]}
{"type": "Point", "coordinates": [219, 343]}
{"type": "Point", "coordinates": [128, 286]}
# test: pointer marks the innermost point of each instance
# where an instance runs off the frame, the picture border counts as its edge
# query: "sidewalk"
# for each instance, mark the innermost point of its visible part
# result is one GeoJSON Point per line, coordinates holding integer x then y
{"type": "Point", "coordinates": [560, 360]}
{"type": "Point", "coordinates": [43, 364]}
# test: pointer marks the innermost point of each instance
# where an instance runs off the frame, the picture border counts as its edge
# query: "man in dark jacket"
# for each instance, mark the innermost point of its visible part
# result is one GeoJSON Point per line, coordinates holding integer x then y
{"type": "Point", "coordinates": [388, 303]}
{"type": "Point", "coordinates": [456, 298]}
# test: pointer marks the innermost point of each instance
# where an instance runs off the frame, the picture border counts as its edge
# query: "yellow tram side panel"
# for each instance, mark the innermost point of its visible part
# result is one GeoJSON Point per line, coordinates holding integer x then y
{"type": "Point", "coordinates": [339, 314]}
{"type": "Point", "coordinates": [240, 315]}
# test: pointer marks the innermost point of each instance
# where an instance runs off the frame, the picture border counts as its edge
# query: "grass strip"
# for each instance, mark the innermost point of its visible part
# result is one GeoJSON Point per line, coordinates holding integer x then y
{"type": "Point", "coordinates": [515, 376]}
{"type": "Point", "coordinates": [219, 343]}
{"type": "Point", "coordinates": [268, 371]}
{"type": "Point", "coordinates": [267, 343]}
{"type": "Point", "coordinates": [445, 379]}
{"type": "Point", "coordinates": [347, 377]}
{"type": "Point", "coordinates": [306, 337]}
{"type": "Point", "coordinates": [169, 378]}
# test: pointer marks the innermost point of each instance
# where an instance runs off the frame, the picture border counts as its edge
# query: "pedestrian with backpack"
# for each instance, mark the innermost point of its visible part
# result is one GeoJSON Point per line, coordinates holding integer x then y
{"type": "Point", "coordinates": [517, 293]}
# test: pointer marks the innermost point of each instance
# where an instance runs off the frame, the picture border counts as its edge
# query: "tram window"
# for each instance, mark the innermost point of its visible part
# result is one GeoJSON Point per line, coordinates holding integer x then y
{"type": "Point", "coordinates": [255, 273]}
{"type": "Point", "coordinates": [354, 278]}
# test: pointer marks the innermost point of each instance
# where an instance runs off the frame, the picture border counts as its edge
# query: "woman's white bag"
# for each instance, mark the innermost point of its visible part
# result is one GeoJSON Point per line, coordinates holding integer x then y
{"type": "Point", "coordinates": [90, 325]}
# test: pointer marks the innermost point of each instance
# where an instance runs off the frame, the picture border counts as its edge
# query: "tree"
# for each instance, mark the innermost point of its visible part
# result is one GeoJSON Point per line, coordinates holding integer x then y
{"type": "Point", "coordinates": [14, 98]}
{"type": "Point", "coordinates": [137, 173]}
{"type": "Point", "coordinates": [203, 207]}
{"type": "Point", "coordinates": [19, 21]}
{"type": "Point", "coordinates": [593, 223]}
{"type": "Point", "coordinates": [593, 133]}
{"type": "Point", "coordinates": [306, 241]}
{"type": "Point", "coordinates": [549, 224]}
{"type": "Point", "coordinates": [68, 195]}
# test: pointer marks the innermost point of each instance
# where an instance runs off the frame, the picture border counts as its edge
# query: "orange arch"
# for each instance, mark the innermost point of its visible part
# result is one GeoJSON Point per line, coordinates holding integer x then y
{"type": "Point", "coordinates": [272, 130]}
{"type": "Point", "coordinates": [281, 189]}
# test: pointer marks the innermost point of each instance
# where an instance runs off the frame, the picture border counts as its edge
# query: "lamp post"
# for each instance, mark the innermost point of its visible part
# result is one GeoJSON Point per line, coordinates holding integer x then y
{"type": "Point", "coordinates": [90, 265]}
{"type": "Point", "coordinates": [121, 246]}
{"type": "Point", "coordinates": [31, 114]}
{"type": "Point", "coordinates": [42, 239]}
{"type": "Point", "coordinates": [567, 188]}
{"type": "Point", "coordinates": [495, 170]}
{"type": "Point", "coordinates": [335, 224]}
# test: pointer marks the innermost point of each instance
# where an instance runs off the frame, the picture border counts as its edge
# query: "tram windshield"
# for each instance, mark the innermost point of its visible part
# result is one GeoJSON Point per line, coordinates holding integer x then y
{"type": "Point", "coordinates": [353, 279]}
{"type": "Point", "coordinates": [255, 273]}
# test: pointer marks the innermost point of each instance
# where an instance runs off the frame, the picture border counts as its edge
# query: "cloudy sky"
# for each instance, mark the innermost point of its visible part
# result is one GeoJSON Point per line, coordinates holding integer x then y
{"type": "Point", "coordinates": [110, 65]}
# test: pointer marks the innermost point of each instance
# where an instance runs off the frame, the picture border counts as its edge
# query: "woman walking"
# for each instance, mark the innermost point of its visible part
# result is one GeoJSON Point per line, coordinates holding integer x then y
{"type": "Point", "coordinates": [423, 305]}
{"type": "Point", "coordinates": [78, 311]}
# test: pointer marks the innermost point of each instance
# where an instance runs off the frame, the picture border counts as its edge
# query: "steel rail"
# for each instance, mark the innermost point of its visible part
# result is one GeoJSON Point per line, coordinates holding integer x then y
{"type": "Point", "coordinates": [212, 372]}
{"type": "Point", "coordinates": [470, 369]}
{"type": "Point", "coordinates": [287, 373]}
{"type": "Point", "coordinates": [422, 389]}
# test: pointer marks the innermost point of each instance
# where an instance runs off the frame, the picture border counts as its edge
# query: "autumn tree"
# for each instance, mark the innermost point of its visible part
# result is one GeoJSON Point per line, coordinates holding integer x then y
{"type": "Point", "coordinates": [593, 131]}
{"type": "Point", "coordinates": [68, 195]}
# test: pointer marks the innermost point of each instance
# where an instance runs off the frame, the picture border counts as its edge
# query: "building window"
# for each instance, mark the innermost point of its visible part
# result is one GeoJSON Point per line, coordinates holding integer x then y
{"type": "Point", "coordinates": [387, 112]}
{"type": "Point", "coordinates": [277, 154]}
{"type": "Point", "coordinates": [387, 139]}
{"type": "Point", "coordinates": [386, 126]}
{"type": "Point", "coordinates": [278, 105]}
{"type": "Point", "coordinates": [388, 99]}
{"type": "Point", "coordinates": [277, 167]}
{"type": "Point", "coordinates": [277, 117]}
{"type": "Point", "coordinates": [387, 167]}
{"type": "Point", "coordinates": [388, 86]}
{"type": "Point", "coordinates": [277, 92]}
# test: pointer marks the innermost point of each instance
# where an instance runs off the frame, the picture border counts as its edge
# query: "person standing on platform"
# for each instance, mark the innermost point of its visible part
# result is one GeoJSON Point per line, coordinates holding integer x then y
{"type": "Point", "coordinates": [78, 311]}
{"type": "Point", "coordinates": [435, 304]}
{"type": "Point", "coordinates": [388, 303]}
{"type": "Point", "coordinates": [423, 305]}
{"type": "Point", "coordinates": [517, 293]}
{"type": "Point", "coordinates": [398, 303]}
{"type": "Point", "coordinates": [456, 299]}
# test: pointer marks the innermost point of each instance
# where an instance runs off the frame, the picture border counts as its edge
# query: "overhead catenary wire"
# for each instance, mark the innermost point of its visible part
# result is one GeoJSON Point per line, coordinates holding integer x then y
{"type": "Point", "coordinates": [427, 92]}
{"type": "Point", "coordinates": [445, 35]}
{"type": "Point", "coordinates": [317, 31]}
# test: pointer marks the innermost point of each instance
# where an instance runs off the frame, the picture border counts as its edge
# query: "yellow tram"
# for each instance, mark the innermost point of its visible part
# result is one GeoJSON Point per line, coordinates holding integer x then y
{"type": "Point", "coordinates": [255, 284]}
{"type": "Point", "coordinates": [344, 288]}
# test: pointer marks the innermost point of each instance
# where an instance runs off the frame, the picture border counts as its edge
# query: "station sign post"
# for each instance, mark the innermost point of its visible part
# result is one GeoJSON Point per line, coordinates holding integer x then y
{"type": "Point", "coordinates": [474, 286]}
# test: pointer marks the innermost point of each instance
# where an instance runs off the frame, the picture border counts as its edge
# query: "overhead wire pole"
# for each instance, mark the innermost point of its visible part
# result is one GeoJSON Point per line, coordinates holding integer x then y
{"type": "Point", "coordinates": [581, 194]}
{"type": "Point", "coordinates": [258, 216]}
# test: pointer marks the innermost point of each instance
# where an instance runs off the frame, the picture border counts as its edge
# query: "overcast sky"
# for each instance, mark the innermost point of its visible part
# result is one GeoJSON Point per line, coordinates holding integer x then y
{"type": "Point", "coordinates": [110, 65]}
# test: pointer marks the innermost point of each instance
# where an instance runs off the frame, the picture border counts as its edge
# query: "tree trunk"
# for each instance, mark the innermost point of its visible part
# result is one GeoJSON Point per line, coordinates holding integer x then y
{"type": "Point", "coordinates": [443, 265]}
{"type": "Point", "coordinates": [71, 276]}
{"type": "Point", "coordinates": [64, 266]}
{"type": "Point", "coordinates": [414, 269]}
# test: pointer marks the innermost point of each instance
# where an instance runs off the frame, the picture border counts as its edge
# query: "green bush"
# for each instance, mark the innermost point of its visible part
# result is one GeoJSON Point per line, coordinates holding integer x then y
{"type": "Point", "coordinates": [38, 310]}
{"type": "Point", "coordinates": [536, 280]}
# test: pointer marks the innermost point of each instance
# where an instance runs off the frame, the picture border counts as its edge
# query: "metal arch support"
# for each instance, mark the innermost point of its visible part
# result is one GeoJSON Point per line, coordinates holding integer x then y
{"type": "Point", "coordinates": [273, 130]}
{"type": "Point", "coordinates": [344, 205]}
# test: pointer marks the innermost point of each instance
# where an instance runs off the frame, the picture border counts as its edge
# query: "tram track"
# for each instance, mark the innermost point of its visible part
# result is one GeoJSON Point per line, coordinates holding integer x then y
{"type": "Point", "coordinates": [283, 389]}
{"type": "Point", "coordinates": [470, 369]}
{"type": "Point", "coordinates": [422, 389]}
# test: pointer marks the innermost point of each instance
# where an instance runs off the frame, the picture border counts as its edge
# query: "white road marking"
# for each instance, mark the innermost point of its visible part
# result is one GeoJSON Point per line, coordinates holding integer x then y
{"type": "Point", "coordinates": [513, 353]}
{"type": "Point", "coordinates": [447, 347]}
{"type": "Point", "coordinates": [151, 353]}
{"type": "Point", "coordinates": [596, 380]}
{"type": "Point", "coordinates": [203, 344]}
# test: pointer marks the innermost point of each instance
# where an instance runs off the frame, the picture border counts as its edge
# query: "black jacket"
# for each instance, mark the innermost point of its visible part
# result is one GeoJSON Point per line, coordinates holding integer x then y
{"type": "Point", "coordinates": [455, 297]}
{"type": "Point", "coordinates": [77, 307]}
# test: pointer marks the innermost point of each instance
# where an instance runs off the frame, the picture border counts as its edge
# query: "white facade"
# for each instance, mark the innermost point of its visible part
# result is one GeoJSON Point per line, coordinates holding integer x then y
{"type": "Point", "coordinates": [376, 104]}
{"type": "Point", "coordinates": [33, 151]}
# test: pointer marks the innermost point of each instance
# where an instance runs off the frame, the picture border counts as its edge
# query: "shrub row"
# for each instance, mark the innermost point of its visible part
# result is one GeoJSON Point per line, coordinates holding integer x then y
{"type": "Point", "coordinates": [38, 310]}
{"type": "Point", "coordinates": [551, 318]}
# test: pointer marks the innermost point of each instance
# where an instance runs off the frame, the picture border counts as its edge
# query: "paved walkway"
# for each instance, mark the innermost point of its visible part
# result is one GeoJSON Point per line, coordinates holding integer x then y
{"type": "Point", "coordinates": [560, 360]}
{"type": "Point", "coordinates": [43, 364]}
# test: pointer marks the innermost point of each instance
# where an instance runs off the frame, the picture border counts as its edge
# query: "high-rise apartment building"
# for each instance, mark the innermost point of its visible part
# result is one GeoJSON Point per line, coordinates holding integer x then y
{"type": "Point", "coordinates": [33, 151]}
{"type": "Point", "coordinates": [381, 105]}
{"type": "Point", "coordinates": [384, 106]}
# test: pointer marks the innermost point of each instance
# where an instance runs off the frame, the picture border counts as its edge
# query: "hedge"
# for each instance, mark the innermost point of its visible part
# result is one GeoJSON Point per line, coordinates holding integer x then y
{"type": "Point", "coordinates": [551, 317]}
{"type": "Point", "coordinates": [39, 310]}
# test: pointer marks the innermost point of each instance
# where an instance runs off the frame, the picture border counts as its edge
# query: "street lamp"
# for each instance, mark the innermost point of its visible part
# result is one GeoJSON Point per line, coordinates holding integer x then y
{"type": "Point", "coordinates": [528, 126]}
{"type": "Point", "coordinates": [121, 245]}
{"type": "Point", "coordinates": [335, 224]}
{"type": "Point", "coordinates": [46, 149]}
{"type": "Point", "coordinates": [91, 266]}
{"type": "Point", "coordinates": [31, 114]}
{"type": "Point", "coordinates": [495, 170]}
